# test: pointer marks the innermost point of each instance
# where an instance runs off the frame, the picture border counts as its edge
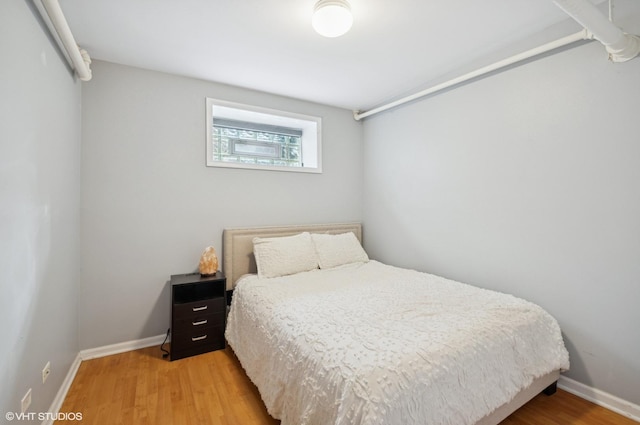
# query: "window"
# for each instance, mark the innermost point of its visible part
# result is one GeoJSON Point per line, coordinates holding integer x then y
{"type": "Point", "coordinates": [243, 136]}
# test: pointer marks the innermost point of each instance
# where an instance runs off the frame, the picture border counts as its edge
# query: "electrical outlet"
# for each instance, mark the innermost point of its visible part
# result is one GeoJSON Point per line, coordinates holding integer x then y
{"type": "Point", "coordinates": [46, 371]}
{"type": "Point", "coordinates": [26, 401]}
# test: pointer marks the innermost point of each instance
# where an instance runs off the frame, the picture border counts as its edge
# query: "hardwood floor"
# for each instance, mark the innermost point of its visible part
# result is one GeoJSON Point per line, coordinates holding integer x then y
{"type": "Point", "coordinates": [140, 387]}
{"type": "Point", "coordinates": [564, 408]}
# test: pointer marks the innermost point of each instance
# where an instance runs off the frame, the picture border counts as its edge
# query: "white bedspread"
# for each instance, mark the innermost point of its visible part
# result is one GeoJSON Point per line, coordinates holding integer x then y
{"type": "Point", "coordinates": [374, 344]}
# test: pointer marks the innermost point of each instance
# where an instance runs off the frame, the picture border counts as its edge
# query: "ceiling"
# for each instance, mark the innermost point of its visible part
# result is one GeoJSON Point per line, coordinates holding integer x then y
{"type": "Point", "coordinates": [393, 47]}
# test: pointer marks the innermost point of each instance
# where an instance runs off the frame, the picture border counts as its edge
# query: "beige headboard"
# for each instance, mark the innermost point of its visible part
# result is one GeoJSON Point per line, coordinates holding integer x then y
{"type": "Point", "coordinates": [237, 244]}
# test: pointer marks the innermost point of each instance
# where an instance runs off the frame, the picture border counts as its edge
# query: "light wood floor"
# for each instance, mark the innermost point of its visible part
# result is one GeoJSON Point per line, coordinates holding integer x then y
{"type": "Point", "coordinates": [140, 387]}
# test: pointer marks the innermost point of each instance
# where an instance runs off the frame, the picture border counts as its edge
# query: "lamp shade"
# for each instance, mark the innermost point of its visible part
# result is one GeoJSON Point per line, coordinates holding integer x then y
{"type": "Point", "coordinates": [332, 18]}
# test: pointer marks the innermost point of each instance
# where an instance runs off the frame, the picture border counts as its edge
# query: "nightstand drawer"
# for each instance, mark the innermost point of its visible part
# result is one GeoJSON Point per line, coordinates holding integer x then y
{"type": "Point", "coordinates": [204, 307]}
{"type": "Point", "coordinates": [197, 341]}
{"type": "Point", "coordinates": [198, 321]}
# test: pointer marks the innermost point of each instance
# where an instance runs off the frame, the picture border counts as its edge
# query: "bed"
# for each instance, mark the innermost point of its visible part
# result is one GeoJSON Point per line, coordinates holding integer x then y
{"type": "Point", "coordinates": [364, 343]}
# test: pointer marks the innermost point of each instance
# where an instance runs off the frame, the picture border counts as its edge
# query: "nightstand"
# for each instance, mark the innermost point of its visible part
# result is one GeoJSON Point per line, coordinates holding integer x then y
{"type": "Point", "coordinates": [198, 314]}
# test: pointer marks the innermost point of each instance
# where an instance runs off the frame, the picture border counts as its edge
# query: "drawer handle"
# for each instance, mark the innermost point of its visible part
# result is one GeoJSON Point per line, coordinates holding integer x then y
{"type": "Point", "coordinates": [204, 307]}
{"type": "Point", "coordinates": [202, 322]}
{"type": "Point", "coordinates": [198, 338]}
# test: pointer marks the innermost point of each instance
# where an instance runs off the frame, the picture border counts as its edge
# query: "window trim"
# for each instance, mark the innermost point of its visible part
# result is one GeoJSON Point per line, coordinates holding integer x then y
{"type": "Point", "coordinates": [284, 116]}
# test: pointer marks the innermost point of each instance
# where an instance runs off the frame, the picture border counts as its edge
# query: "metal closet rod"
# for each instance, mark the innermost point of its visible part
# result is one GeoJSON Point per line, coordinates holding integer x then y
{"type": "Point", "coordinates": [564, 41]}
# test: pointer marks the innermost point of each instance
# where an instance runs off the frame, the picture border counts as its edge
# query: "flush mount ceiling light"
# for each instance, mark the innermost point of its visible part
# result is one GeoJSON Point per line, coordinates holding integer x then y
{"type": "Point", "coordinates": [332, 18]}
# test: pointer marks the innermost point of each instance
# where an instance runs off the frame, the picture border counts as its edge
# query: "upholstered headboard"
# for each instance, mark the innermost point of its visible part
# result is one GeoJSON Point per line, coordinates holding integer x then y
{"type": "Point", "coordinates": [237, 244]}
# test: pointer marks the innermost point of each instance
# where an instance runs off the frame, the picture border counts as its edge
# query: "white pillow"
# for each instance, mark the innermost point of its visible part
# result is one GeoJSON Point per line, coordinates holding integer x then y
{"type": "Point", "coordinates": [284, 255]}
{"type": "Point", "coordinates": [336, 250]}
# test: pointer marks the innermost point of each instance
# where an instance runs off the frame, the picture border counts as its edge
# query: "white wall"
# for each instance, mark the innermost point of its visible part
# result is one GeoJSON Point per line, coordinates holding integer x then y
{"type": "Point", "coordinates": [150, 205]}
{"type": "Point", "coordinates": [526, 182]}
{"type": "Point", "coordinates": [39, 210]}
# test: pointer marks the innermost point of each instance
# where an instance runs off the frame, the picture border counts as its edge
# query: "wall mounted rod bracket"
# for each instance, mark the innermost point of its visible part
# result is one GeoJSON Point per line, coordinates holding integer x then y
{"type": "Point", "coordinates": [620, 46]}
{"type": "Point", "coordinates": [78, 58]}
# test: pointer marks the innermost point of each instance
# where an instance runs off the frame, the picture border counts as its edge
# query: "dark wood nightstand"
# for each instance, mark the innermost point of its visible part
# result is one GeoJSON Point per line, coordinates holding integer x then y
{"type": "Point", "coordinates": [198, 314]}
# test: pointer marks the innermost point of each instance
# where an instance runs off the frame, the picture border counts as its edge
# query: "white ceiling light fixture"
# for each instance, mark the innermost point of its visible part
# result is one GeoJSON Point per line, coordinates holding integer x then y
{"type": "Point", "coordinates": [332, 18]}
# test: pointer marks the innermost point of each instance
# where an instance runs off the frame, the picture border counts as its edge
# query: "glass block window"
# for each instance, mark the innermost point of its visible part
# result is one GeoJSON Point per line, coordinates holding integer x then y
{"type": "Point", "coordinates": [242, 136]}
{"type": "Point", "coordinates": [252, 143]}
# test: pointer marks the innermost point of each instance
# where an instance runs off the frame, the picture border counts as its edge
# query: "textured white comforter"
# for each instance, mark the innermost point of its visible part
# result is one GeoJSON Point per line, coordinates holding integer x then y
{"type": "Point", "coordinates": [374, 344]}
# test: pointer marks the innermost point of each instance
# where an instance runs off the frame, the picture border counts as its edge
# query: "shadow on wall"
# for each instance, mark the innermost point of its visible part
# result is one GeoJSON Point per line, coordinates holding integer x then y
{"type": "Point", "coordinates": [576, 364]}
{"type": "Point", "coordinates": [160, 315]}
{"type": "Point", "coordinates": [585, 353]}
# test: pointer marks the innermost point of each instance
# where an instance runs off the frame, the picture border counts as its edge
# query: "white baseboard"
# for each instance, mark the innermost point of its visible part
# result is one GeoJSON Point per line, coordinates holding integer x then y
{"type": "Point", "coordinates": [94, 353]}
{"type": "Point", "coordinates": [63, 390]}
{"type": "Point", "coordinates": [122, 347]}
{"type": "Point", "coordinates": [601, 398]}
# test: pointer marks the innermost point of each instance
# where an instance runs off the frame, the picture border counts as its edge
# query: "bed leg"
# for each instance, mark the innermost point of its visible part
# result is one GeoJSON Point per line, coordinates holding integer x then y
{"type": "Point", "coordinates": [551, 389]}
